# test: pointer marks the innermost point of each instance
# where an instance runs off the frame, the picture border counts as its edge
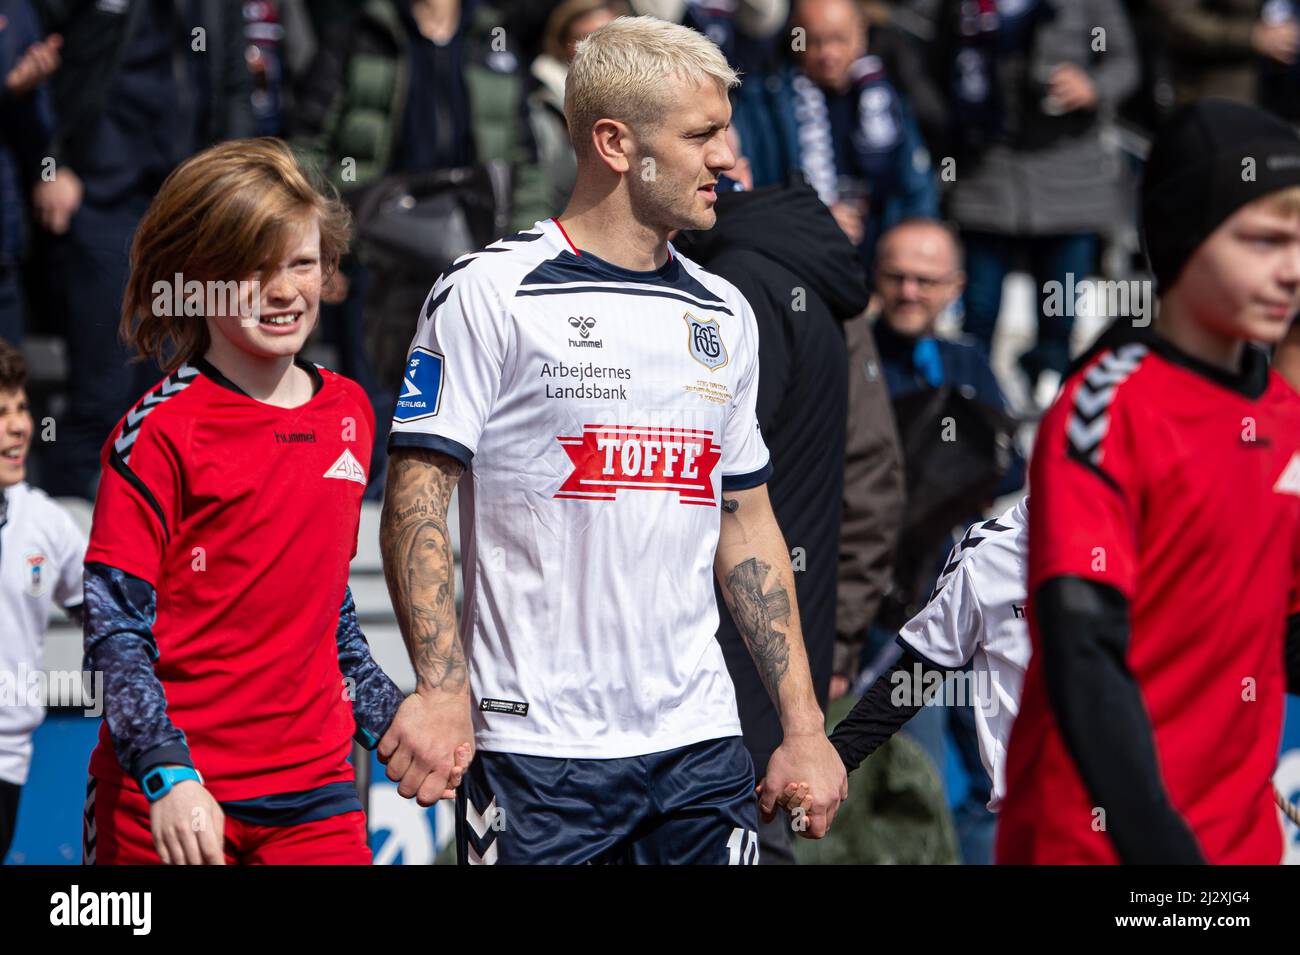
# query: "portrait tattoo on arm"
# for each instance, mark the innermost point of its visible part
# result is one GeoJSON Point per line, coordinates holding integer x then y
{"type": "Point", "coordinates": [755, 611]}
{"type": "Point", "coordinates": [419, 567]}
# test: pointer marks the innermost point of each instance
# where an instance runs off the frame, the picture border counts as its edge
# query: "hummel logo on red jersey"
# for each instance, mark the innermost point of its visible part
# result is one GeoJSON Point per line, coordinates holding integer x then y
{"type": "Point", "coordinates": [347, 468]}
{"type": "Point", "coordinates": [1289, 482]}
{"type": "Point", "coordinates": [609, 457]}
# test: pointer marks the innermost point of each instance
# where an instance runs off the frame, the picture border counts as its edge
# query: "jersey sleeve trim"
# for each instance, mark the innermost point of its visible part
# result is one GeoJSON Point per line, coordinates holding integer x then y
{"type": "Point", "coordinates": [1089, 420]}
{"type": "Point", "coordinates": [430, 442]}
{"type": "Point", "coordinates": [742, 482]}
{"type": "Point", "coordinates": [119, 465]}
{"type": "Point", "coordinates": [904, 645]}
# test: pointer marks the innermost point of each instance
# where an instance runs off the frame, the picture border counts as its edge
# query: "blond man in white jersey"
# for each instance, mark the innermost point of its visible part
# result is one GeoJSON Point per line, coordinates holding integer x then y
{"type": "Point", "coordinates": [593, 393]}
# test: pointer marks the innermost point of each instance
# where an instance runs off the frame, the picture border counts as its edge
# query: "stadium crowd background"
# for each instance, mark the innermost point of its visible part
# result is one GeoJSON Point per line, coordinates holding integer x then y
{"type": "Point", "coordinates": [1020, 123]}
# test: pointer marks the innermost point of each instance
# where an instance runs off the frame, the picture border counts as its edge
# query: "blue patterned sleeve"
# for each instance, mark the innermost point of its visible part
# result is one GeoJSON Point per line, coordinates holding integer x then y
{"type": "Point", "coordinates": [375, 698]}
{"type": "Point", "coordinates": [118, 621]}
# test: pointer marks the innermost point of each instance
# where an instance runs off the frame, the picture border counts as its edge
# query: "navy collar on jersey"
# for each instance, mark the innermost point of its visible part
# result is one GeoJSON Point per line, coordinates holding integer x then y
{"type": "Point", "coordinates": [210, 370]}
{"type": "Point", "coordinates": [1251, 381]}
{"type": "Point", "coordinates": [570, 274]}
{"type": "Point", "coordinates": [574, 271]}
{"type": "Point", "coordinates": [617, 272]}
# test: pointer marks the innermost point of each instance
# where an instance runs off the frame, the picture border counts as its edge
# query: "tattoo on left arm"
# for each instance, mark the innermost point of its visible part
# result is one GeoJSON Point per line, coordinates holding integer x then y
{"type": "Point", "coordinates": [756, 610]}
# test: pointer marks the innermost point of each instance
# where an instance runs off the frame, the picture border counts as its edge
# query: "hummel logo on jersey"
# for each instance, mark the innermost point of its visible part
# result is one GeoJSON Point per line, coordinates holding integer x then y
{"type": "Point", "coordinates": [295, 437]}
{"type": "Point", "coordinates": [609, 457]}
{"type": "Point", "coordinates": [347, 468]}
{"type": "Point", "coordinates": [1089, 418]}
{"type": "Point", "coordinates": [1289, 482]}
{"type": "Point", "coordinates": [971, 539]}
{"type": "Point", "coordinates": [584, 324]}
{"type": "Point", "coordinates": [174, 384]}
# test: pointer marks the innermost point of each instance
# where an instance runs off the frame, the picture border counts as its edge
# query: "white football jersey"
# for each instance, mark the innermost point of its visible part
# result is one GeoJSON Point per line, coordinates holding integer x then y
{"type": "Point", "coordinates": [978, 612]}
{"type": "Point", "coordinates": [600, 413]}
{"type": "Point", "coordinates": [41, 553]}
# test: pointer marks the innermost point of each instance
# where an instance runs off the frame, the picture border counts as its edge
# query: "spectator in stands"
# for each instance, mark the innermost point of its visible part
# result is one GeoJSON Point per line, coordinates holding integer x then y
{"type": "Point", "coordinates": [26, 62]}
{"type": "Point", "coordinates": [1216, 46]}
{"type": "Point", "coordinates": [782, 250]}
{"type": "Point", "coordinates": [743, 29]}
{"type": "Point", "coordinates": [1279, 78]}
{"type": "Point", "coordinates": [918, 275]}
{"type": "Point", "coordinates": [281, 45]}
{"type": "Point", "coordinates": [834, 115]}
{"type": "Point", "coordinates": [900, 33]}
{"type": "Point", "coordinates": [406, 88]}
{"type": "Point", "coordinates": [416, 85]}
{"type": "Point", "coordinates": [41, 549]}
{"type": "Point", "coordinates": [569, 22]}
{"type": "Point", "coordinates": [1031, 83]}
{"type": "Point", "coordinates": [138, 92]}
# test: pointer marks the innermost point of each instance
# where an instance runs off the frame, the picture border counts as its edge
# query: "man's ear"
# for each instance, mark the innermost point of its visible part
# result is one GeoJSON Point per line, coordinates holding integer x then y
{"type": "Point", "coordinates": [958, 285]}
{"type": "Point", "coordinates": [612, 142]}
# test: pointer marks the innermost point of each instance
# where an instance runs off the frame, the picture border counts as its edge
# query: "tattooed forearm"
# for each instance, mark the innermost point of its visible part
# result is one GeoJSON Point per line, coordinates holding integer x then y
{"type": "Point", "coordinates": [756, 608]}
{"type": "Point", "coordinates": [419, 568]}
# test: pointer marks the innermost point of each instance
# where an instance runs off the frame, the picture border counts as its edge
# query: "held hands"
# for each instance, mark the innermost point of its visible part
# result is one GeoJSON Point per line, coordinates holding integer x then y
{"type": "Point", "coordinates": [806, 778]}
{"type": "Point", "coordinates": [188, 826]}
{"type": "Point", "coordinates": [429, 746]}
{"type": "Point", "coordinates": [794, 800]}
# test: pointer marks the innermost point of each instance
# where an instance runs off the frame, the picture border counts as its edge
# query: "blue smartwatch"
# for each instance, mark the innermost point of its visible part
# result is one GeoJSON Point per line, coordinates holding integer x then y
{"type": "Point", "coordinates": [158, 782]}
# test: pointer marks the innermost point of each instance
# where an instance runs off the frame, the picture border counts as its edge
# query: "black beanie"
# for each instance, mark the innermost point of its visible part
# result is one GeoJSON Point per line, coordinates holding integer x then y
{"type": "Point", "coordinates": [1197, 176]}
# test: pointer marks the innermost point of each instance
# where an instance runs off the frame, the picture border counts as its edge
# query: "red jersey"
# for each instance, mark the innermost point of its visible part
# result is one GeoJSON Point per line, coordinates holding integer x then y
{"type": "Point", "coordinates": [243, 517]}
{"type": "Point", "coordinates": [1179, 486]}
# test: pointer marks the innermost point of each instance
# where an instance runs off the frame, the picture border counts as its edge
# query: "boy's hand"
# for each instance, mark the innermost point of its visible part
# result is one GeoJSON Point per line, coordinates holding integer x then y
{"type": "Point", "coordinates": [188, 826]}
{"type": "Point", "coordinates": [794, 799]}
{"type": "Point", "coordinates": [812, 760]}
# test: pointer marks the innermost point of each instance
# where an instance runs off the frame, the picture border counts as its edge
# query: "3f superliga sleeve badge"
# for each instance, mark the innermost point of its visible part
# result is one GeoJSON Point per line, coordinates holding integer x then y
{"type": "Point", "coordinates": [704, 339]}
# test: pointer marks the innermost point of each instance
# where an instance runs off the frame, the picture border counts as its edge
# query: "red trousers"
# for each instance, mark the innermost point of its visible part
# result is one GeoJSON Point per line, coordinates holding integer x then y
{"type": "Point", "coordinates": [115, 831]}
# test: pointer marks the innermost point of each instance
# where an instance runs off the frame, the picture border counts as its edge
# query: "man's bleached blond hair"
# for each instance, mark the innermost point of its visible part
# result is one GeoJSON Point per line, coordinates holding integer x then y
{"type": "Point", "coordinates": [619, 72]}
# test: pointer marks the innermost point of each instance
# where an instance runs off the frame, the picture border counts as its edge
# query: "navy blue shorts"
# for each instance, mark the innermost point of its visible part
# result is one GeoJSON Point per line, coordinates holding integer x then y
{"type": "Point", "coordinates": [689, 806]}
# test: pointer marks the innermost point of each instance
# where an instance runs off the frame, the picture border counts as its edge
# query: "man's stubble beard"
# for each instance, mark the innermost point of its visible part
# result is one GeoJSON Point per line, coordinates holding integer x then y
{"type": "Point", "coordinates": [661, 204]}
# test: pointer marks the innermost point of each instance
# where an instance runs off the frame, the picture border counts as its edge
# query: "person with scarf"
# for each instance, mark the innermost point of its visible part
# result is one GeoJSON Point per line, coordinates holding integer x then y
{"type": "Point", "coordinates": [1031, 84]}
{"type": "Point", "coordinates": [833, 115]}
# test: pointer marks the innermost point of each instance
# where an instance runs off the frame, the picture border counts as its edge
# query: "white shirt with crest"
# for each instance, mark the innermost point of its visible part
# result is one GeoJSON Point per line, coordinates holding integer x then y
{"type": "Point", "coordinates": [41, 553]}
